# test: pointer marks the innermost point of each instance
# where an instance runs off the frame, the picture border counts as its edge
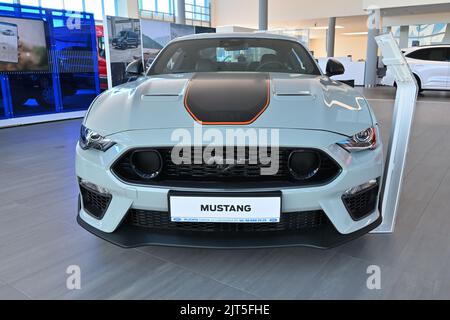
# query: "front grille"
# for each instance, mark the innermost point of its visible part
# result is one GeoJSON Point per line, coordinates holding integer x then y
{"type": "Point", "coordinates": [95, 203]}
{"type": "Point", "coordinates": [362, 203]}
{"type": "Point", "coordinates": [292, 221]}
{"type": "Point", "coordinates": [244, 173]}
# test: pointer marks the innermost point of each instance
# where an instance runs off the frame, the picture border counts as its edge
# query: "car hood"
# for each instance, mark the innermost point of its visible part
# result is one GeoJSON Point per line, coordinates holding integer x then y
{"type": "Point", "coordinates": [291, 101]}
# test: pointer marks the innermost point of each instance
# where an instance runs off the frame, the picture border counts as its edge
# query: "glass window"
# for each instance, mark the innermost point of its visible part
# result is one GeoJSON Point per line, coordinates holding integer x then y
{"type": "Point", "coordinates": [53, 4]}
{"type": "Point", "coordinates": [149, 5]}
{"type": "Point", "coordinates": [430, 54]}
{"type": "Point", "coordinates": [95, 7]}
{"type": "Point", "coordinates": [424, 34]}
{"type": "Point", "coordinates": [427, 34]}
{"type": "Point", "coordinates": [34, 3]}
{"type": "Point", "coordinates": [197, 10]}
{"type": "Point", "coordinates": [73, 5]}
{"type": "Point", "coordinates": [234, 54]}
{"type": "Point", "coordinates": [189, 8]}
{"type": "Point", "coordinates": [164, 6]}
{"type": "Point", "coordinates": [110, 7]}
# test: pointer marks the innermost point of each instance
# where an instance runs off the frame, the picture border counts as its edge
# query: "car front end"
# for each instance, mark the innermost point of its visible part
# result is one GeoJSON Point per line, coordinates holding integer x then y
{"type": "Point", "coordinates": [320, 135]}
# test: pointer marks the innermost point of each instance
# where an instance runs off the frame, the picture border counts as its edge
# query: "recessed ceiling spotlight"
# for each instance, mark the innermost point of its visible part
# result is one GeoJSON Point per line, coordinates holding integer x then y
{"type": "Point", "coordinates": [325, 28]}
{"type": "Point", "coordinates": [355, 33]}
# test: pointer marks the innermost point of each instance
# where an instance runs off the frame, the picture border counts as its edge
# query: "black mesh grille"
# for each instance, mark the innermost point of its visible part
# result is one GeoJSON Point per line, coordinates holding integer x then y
{"type": "Point", "coordinates": [289, 222]}
{"type": "Point", "coordinates": [363, 203]}
{"type": "Point", "coordinates": [95, 203]}
{"type": "Point", "coordinates": [245, 173]}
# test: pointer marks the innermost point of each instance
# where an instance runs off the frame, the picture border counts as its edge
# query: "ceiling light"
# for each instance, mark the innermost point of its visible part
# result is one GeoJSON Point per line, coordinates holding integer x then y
{"type": "Point", "coordinates": [325, 28]}
{"type": "Point", "coordinates": [355, 33]}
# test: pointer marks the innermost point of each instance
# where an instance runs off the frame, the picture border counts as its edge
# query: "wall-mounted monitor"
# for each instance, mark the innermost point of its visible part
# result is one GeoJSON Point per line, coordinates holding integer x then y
{"type": "Point", "coordinates": [23, 45]}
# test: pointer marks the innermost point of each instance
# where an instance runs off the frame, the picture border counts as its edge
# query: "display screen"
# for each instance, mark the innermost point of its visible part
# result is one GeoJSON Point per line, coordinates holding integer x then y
{"type": "Point", "coordinates": [8, 43]}
{"type": "Point", "coordinates": [23, 45]}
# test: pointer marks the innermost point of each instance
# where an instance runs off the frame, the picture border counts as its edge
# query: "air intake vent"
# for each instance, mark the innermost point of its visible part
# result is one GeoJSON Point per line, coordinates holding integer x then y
{"type": "Point", "coordinates": [363, 203]}
{"type": "Point", "coordinates": [292, 221]}
{"type": "Point", "coordinates": [95, 203]}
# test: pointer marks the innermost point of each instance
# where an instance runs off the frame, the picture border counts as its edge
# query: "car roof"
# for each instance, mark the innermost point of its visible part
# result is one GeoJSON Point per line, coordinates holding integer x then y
{"type": "Point", "coordinates": [253, 35]}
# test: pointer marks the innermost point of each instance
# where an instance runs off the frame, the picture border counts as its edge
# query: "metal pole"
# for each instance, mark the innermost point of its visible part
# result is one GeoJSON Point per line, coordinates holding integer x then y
{"type": "Point", "coordinates": [447, 34]}
{"type": "Point", "coordinates": [180, 17]}
{"type": "Point", "coordinates": [107, 34]}
{"type": "Point", "coordinates": [263, 15]}
{"type": "Point", "coordinates": [331, 35]}
{"type": "Point", "coordinates": [370, 78]}
{"type": "Point", "coordinates": [404, 37]}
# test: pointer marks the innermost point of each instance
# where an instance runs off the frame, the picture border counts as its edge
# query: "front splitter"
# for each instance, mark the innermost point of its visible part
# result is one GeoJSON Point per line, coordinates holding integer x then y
{"type": "Point", "coordinates": [323, 238]}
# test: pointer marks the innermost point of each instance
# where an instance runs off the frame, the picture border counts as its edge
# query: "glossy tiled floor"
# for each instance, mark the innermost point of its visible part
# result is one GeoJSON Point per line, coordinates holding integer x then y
{"type": "Point", "coordinates": [39, 237]}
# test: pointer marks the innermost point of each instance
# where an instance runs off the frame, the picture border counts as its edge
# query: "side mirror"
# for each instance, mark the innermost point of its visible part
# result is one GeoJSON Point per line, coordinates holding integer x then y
{"type": "Point", "coordinates": [135, 68]}
{"type": "Point", "coordinates": [334, 68]}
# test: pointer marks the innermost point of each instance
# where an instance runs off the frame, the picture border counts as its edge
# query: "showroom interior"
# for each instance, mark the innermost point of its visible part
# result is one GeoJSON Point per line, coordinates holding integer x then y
{"type": "Point", "coordinates": [70, 51]}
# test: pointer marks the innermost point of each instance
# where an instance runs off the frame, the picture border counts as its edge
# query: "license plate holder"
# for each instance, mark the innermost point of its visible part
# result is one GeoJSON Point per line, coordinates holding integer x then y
{"type": "Point", "coordinates": [225, 207]}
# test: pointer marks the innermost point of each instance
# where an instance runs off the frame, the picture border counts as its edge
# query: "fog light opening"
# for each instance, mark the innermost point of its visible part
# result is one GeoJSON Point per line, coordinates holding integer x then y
{"type": "Point", "coordinates": [304, 164]}
{"type": "Point", "coordinates": [147, 164]}
{"type": "Point", "coordinates": [93, 187]}
{"type": "Point", "coordinates": [362, 187]}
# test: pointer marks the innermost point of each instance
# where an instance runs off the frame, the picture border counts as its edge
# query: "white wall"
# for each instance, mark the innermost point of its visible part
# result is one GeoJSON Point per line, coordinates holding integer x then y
{"type": "Point", "coordinates": [344, 45]}
{"type": "Point", "coordinates": [398, 3]}
{"type": "Point", "coordinates": [287, 13]}
{"type": "Point", "coordinates": [407, 20]}
{"type": "Point", "coordinates": [282, 13]}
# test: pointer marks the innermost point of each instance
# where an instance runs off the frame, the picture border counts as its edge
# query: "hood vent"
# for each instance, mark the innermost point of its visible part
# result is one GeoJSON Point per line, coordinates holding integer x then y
{"type": "Point", "coordinates": [294, 94]}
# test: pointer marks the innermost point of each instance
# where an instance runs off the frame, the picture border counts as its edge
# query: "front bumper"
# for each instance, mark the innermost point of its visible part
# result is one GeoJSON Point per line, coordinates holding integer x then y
{"type": "Point", "coordinates": [357, 169]}
{"type": "Point", "coordinates": [324, 238]}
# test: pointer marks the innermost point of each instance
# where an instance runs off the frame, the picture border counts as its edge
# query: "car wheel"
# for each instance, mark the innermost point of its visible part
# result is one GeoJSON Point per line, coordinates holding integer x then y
{"type": "Point", "coordinates": [419, 84]}
{"type": "Point", "coordinates": [79, 204]}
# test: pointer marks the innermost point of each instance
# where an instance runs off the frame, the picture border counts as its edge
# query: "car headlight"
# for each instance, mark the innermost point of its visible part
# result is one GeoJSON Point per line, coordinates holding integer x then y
{"type": "Point", "coordinates": [92, 140]}
{"type": "Point", "coordinates": [364, 140]}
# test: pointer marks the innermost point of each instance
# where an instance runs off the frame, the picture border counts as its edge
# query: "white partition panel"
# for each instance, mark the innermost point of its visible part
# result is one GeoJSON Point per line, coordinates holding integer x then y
{"type": "Point", "coordinates": [405, 103]}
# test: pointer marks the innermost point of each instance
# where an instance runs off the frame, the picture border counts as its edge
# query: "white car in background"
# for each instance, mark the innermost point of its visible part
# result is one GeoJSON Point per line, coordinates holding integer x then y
{"type": "Point", "coordinates": [429, 64]}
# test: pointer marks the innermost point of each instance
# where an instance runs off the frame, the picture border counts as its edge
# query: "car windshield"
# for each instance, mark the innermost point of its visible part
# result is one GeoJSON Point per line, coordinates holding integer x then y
{"type": "Point", "coordinates": [234, 54]}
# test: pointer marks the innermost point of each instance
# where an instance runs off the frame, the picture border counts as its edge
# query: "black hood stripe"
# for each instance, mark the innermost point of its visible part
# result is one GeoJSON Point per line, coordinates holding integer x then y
{"type": "Point", "coordinates": [234, 98]}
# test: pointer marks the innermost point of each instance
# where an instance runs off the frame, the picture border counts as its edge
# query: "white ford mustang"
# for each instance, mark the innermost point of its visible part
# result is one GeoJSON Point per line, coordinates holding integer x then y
{"type": "Point", "coordinates": [230, 140]}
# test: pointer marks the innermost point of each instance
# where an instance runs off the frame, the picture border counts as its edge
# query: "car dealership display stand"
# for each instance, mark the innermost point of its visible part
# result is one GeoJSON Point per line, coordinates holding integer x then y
{"type": "Point", "coordinates": [405, 103]}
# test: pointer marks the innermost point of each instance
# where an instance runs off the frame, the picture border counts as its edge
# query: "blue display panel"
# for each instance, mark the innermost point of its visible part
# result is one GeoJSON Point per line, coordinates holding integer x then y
{"type": "Point", "coordinates": [48, 61]}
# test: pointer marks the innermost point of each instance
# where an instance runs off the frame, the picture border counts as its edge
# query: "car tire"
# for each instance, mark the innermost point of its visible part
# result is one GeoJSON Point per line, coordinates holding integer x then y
{"type": "Point", "coordinates": [419, 83]}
